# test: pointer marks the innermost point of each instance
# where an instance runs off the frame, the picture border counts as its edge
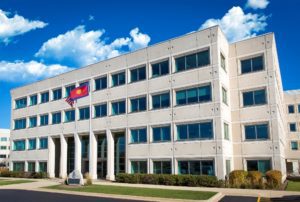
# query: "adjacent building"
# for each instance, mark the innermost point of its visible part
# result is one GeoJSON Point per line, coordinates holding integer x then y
{"type": "Point", "coordinates": [4, 147]}
{"type": "Point", "coordinates": [195, 104]}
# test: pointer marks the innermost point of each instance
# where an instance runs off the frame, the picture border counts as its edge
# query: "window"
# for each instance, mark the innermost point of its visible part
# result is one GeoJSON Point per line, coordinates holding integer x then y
{"type": "Point", "coordinates": [193, 95]}
{"type": "Point", "coordinates": [257, 132]}
{"type": "Point", "coordinates": [294, 145]}
{"type": "Point", "coordinates": [161, 134]}
{"type": "Point", "coordinates": [259, 165]}
{"type": "Point", "coordinates": [56, 118]}
{"type": "Point", "coordinates": [203, 167]}
{"type": "Point", "coordinates": [33, 100]}
{"type": "Point", "coordinates": [57, 94]}
{"type": "Point", "coordinates": [203, 130]}
{"type": "Point", "coordinates": [19, 145]}
{"type": "Point", "coordinates": [252, 65]}
{"type": "Point", "coordinates": [84, 113]}
{"type": "Point", "coordinates": [291, 109]}
{"type": "Point", "coordinates": [228, 167]}
{"type": "Point", "coordinates": [160, 69]}
{"type": "Point", "coordinates": [32, 144]}
{"type": "Point", "coordinates": [293, 127]}
{"type": "Point", "coordinates": [43, 167]}
{"type": "Point", "coordinates": [44, 143]}
{"type": "Point", "coordinates": [69, 89]}
{"type": "Point", "coordinates": [101, 83]}
{"type": "Point", "coordinates": [298, 108]}
{"type": "Point", "coordinates": [226, 131]}
{"type": "Point", "coordinates": [69, 116]}
{"type": "Point", "coordinates": [138, 74]}
{"type": "Point", "coordinates": [3, 139]}
{"type": "Point", "coordinates": [257, 97]}
{"type": "Point", "coordinates": [138, 104]}
{"type": "Point", "coordinates": [192, 61]}
{"type": "Point", "coordinates": [161, 101]}
{"type": "Point", "coordinates": [32, 122]}
{"type": "Point", "coordinates": [19, 166]}
{"type": "Point", "coordinates": [31, 166]}
{"type": "Point", "coordinates": [44, 120]}
{"type": "Point", "coordinates": [224, 96]}
{"type": "Point", "coordinates": [20, 124]}
{"type": "Point", "coordinates": [162, 167]}
{"type": "Point", "coordinates": [118, 79]}
{"type": "Point", "coordinates": [21, 103]}
{"type": "Point", "coordinates": [118, 107]}
{"type": "Point", "coordinates": [223, 62]}
{"type": "Point", "coordinates": [3, 156]}
{"type": "Point", "coordinates": [138, 167]}
{"type": "Point", "coordinates": [100, 110]}
{"type": "Point", "coordinates": [45, 97]}
{"type": "Point", "coordinates": [139, 135]}
{"type": "Point", "coordinates": [84, 83]}
{"type": "Point", "coordinates": [3, 148]}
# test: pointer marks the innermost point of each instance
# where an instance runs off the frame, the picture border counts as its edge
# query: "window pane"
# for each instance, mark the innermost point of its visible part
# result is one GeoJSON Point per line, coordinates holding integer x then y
{"type": "Point", "coordinates": [248, 98]}
{"type": "Point", "coordinates": [134, 105]}
{"type": "Point", "coordinates": [250, 132]}
{"type": "Point", "coordinates": [203, 58]}
{"type": "Point", "coordinates": [122, 78]}
{"type": "Point", "coordinates": [166, 167]}
{"type": "Point", "coordinates": [206, 130]}
{"type": "Point", "coordinates": [142, 73]}
{"type": "Point", "coordinates": [156, 134]}
{"type": "Point", "coordinates": [246, 66]}
{"type": "Point", "coordinates": [157, 167]}
{"type": "Point", "coordinates": [207, 167]}
{"type": "Point", "coordinates": [155, 70]}
{"type": "Point", "coordinates": [294, 145]}
{"type": "Point", "coordinates": [204, 93]}
{"type": "Point", "coordinates": [260, 97]}
{"type": "Point", "coordinates": [134, 75]}
{"type": "Point", "coordinates": [193, 131]}
{"type": "Point", "coordinates": [143, 167]}
{"type": "Point", "coordinates": [262, 131]}
{"type": "Point", "coordinates": [122, 107]}
{"type": "Point", "coordinates": [257, 63]}
{"type": "Point", "coordinates": [166, 133]}
{"type": "Point", "coordinates": [134, 136]}
{"type": "Point", "coordinates": [264, 166]}
{"type": "Point", "coordinates": [182, 132]}
{"type": "Point", "coordinates": [180, 64]}
{"type": "Point", "coordinates": [164, 67]}
{"type": "Point", "coordinates": [191, 61]}
{"type": "Point", "coordinates": [134, 167]}
{"type": "Point", "coordinates": [252, 165]}
{"type": "Point", "coordinates": [165, 100]}
{"type": "Point", "coordinates": [192, 96]}
{"type": "Point", "coordinates": [291, 109]}
{"type": "Point", "coordinates": [143, 135]}
{"type": "Point", "coordinates": [183, 167]}
{"type": "Point", "coordinates": [156, 102]}
{"type": "Point", "coordinates": [293, 127]}
{"type": "Point", "coordinates": [181, 97]}
{"type": "Point", "coordinates": [195, 168]}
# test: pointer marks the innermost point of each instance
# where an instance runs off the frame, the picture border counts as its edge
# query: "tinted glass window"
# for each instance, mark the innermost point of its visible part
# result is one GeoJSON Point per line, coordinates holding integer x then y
{"type": "Point", "coordinates": [252, 65]}
{"type": "Point", "coordinates": [101, 83]}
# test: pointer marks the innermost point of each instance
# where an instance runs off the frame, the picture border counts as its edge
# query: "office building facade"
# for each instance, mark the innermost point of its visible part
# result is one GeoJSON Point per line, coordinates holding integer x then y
{"type": "Point", "coordinates": [4, 147]}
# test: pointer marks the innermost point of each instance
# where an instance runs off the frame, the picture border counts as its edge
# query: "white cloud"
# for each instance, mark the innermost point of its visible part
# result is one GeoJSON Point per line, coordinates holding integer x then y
{"type": "Point", "coordinates": [19, 71]}
{"type": "Point", "coordinates": [257, 4]}
{"type": "Point", "coordinates": [16, 25]}
{"type": "Point", "coordinates": [91, 18]}
{"type": "Point", "coordinates": [238, 25]}
{"type": "Point", "coordinates": [79, 47]}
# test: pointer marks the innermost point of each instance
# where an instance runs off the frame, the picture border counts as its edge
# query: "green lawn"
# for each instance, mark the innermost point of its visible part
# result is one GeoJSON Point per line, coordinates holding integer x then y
{"type": "Point", "coordinates": [135, 191]}
{"type": "Point", "coordinates": [293, 186]}
{"type": "Point", "coordinates": [8, 182]}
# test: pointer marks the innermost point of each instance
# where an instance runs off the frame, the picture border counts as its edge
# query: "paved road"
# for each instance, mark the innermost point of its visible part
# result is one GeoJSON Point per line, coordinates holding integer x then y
{"type": "Point", "coordinates": [11, 195]}
{"type": "Point", "coordinates": [237, 199]}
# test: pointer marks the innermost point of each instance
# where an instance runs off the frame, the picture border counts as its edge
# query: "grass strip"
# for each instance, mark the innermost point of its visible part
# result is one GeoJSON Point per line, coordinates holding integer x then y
{"type": "Point", "coordinates": [8, 182]}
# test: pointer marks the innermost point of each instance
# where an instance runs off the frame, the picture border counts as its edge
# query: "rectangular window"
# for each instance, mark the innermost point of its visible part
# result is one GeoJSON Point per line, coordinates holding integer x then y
{"type": "Point", "coordinates": [3, 139]}
{"type": "Point", "coordinates": [259, 165]}
{"type": "Point", "coordinates": [57, 94]}
{"type": "Point", "coordinates": [223, 62]}
{"type": "Point", "coordinates": [293, 127]}
{"type": "Point", "coordinates": [138, 104]}
{"type": "Point", "coordinates": [20, 124]}
{"type": "Point", "coordinates": [138, 74]}
{"type": "Point", "coordinates": [3, 148]}
{"type": "Point", "coordinates": [44, 143]}
{"type": "Point", "coordinates": [202, 167]}
{"type": "Point", "coordinates": [294, 145]}
{"type": "Point", "coordinates": [291, 109]}
{"type": "Point", "coordinates": [69, 116]}
{"type": "Point", "coordinates": [252, 65]}
{"type": "Point", "coordinates": [21, 103]}
{"type": "Point", "coordinates": [224, 96]}
{"type": "Point", "coordinates": [192, 61]}
{"type": "Point", "coordinates": [226, 131]}
{"type": "Point", "coordinates": [84, 113]}
{"type": "Point", "coordinates": [19, 166]}
{"type": "Point", "coordinates": [19, 145]}
{"type": "Point", "coordinates": [118, 108]}
{"type": "Point", "coordinates": [32, 144]}
{"type": "Point", "coordinates": [100, 110]}
{"type": "Point", "coordinates": [44, 120]}
{"type": "Point", "coordinates": [195, 131]}
{"type": "Point", "coordinates": [162, 167]}
{"type": "Point", "coordinates": [228, 167]}
{"type": "Point", "coordinates": [139, 135]}
{"type": "Point", "coordinates": [118, 79]}
{"type": "Point", "coordinates": [193, 95]}
{"type": "Point", "coordinates": [43, 167]}
{"type": "Point", "coordinates": [161, 101]}
{"type": "Point", "coordinates": [69, 89]}
{"type": "Point", "coordinates": [257, 132]}
{"type": "Point", "coordinates": [44, 97]}
{"type": "Point", "coordinates": [298, 108]}
{"type": "Point", "coordinates": [31, 166]}
{"type": "Point", "coordinates": [56, 118]}
{"type": "Point", "coordinates": [160, 69]}
{"type": "Point", "coordinates": [161, 134]}
{"type": "Point", "coordinates": [139, 167]}
{"type": "Point", "coordinates": [101, 83]}
{"type": "Point", "coordinates": [252, 98]}
{"type": "Point", "coordinates": [32, 122]}
{"type": "Point", "coordinates": [33, 100]}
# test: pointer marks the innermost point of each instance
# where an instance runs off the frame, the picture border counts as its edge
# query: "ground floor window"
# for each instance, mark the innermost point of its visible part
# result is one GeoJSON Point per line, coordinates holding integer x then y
{"type": "Point", "coordinates": [259, 165]}
{"type": "Point", "coordinates": [196, 167]}
{"type": "Point", "coordinates": [43, 167]}
{"type": "Point", "coordinates": [31, 166]}
{"type": "Point", "coordinates": [162, 167]}
{"type": "Point", "coordinates": [138, 167]}
{"type": "Point", "coordinates": [228, 167]}
{"type": "Point", "coordinates": [19, 166]}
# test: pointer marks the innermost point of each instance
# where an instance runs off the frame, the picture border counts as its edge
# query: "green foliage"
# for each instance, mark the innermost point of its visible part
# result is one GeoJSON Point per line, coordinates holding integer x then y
{"type": "Point", "coordinates": [21, 174]}
{"type": "Point", "coordinates": [255, 179]}
{"type": "Point", "coordinates": [238, 178]}
{"type": "Point", "coordinates": [274, 178]}
{"type": "Point", "coordinates": [88, 179]}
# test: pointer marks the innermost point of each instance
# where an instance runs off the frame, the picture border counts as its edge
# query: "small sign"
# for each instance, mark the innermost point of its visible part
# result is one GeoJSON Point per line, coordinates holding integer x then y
{"type": "Point", "coordinates": [75, 178]}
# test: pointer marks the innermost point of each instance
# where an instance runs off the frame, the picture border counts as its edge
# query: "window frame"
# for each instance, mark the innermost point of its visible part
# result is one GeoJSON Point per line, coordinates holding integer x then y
{"type": "Point", "coordinates": [86, 112]}
{"type": "Point", "coordinates": [256, 133]}
{"type": "Point", "coordinates": [190, 124]}
{"type": "Point", "coordinates": [100, 79]}
{"type": "Point", "coordinates": [56, 96]}
{"type": "Point", "coordinates": [138, 69]}
{"type": "Point", "coordinates": [251, 59]}
{"type": "Point", "coordinates": [118, 102]}
{"type": "Point", "coordinates": [42, 101]}
{"type": "Point", "coordinates": [138, 103]}
{"type": "Point", "coordinates": [159, 63]}
{"type": "Point", "coordinates": [138, 130]}
{"type": "Point", "coordinates": [161, 127]}
{"type": "Point", "coordinates": [160, 94]}
{"type": "Point", "coordinates": [41, 117]}
{"type": "Point", "coordinates": [253, 97]}
{"type": "Point", "coordinates": [104, 104]}
{"type": "Point", "coordinates": [118, 74]}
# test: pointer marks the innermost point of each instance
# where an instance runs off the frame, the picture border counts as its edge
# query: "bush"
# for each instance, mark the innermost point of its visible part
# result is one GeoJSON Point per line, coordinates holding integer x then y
{"type": "Point", "coordinates": [21, 174]}
{"type": "Point", "coordinates": [164, 179]}
{"type": "Point", "coordinates": [274, 179]}
{"type": "Point", "coordinates": [255, 179]}
{"type": "Point", "coordinates": [238, 178]}
{"type": "Point", "coordinates": [88, 178]}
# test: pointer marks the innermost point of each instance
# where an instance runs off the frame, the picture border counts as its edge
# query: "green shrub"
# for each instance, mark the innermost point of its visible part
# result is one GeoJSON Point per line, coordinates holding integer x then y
{"type": "Point", "coordinates": [255, 179]}
{"type": "Point", "coordinates": [88, 179]}
{"type": "Point", "coordinates": [149, 179]}
{"type": "Point", "coordinates": [165, 179]}
{"type": "Point", "coordinates": [238, 178]}
{"type": "Point", "coordinates": [21, 174]}
{"type": "Point", "coordinates": [273, 179]}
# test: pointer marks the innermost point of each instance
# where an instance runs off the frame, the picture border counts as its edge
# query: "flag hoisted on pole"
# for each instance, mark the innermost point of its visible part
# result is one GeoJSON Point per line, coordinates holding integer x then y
{"type": "Point", "coordinates": [79, 92]}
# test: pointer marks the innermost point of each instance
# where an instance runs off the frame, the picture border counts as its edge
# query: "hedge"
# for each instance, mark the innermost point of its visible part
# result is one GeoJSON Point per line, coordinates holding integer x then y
{"type": "Point", "coordinates": [238, 178]}
{"type": "Point", "coordinates": [21, 174]}
{"type": "Point", "coordinates": [274, 179]}
{"type": "Point", "coordinates": [165, 179]}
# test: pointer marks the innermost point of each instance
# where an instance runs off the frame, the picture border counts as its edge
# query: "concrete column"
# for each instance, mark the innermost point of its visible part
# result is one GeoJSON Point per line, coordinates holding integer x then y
{"type": "Point", "coordinates": [37, 166]}
{"type": "Point", "coordinates": [63, 157]}
{"type": "Point", "coordinates": [93, 155]}
{"type": "Point", "coordinates": [26, 166]}
{"type": "Point", "coordinates": [51, 157]}
{"type": "Point", "coordinates": [110, 156]}
{"type": "Point", "coordinates": [77, 160]}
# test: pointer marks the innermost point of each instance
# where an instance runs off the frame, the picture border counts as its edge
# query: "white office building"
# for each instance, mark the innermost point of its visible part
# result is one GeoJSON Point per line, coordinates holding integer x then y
{"type": "Point", "coordinates": [4, 147]}
{"type": "Point", "coordinates": [195, 104]}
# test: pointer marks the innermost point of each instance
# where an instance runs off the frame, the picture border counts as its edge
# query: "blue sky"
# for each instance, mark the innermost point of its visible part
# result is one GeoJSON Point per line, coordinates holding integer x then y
{"type": "Point", "coordinates": [39, 39]}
